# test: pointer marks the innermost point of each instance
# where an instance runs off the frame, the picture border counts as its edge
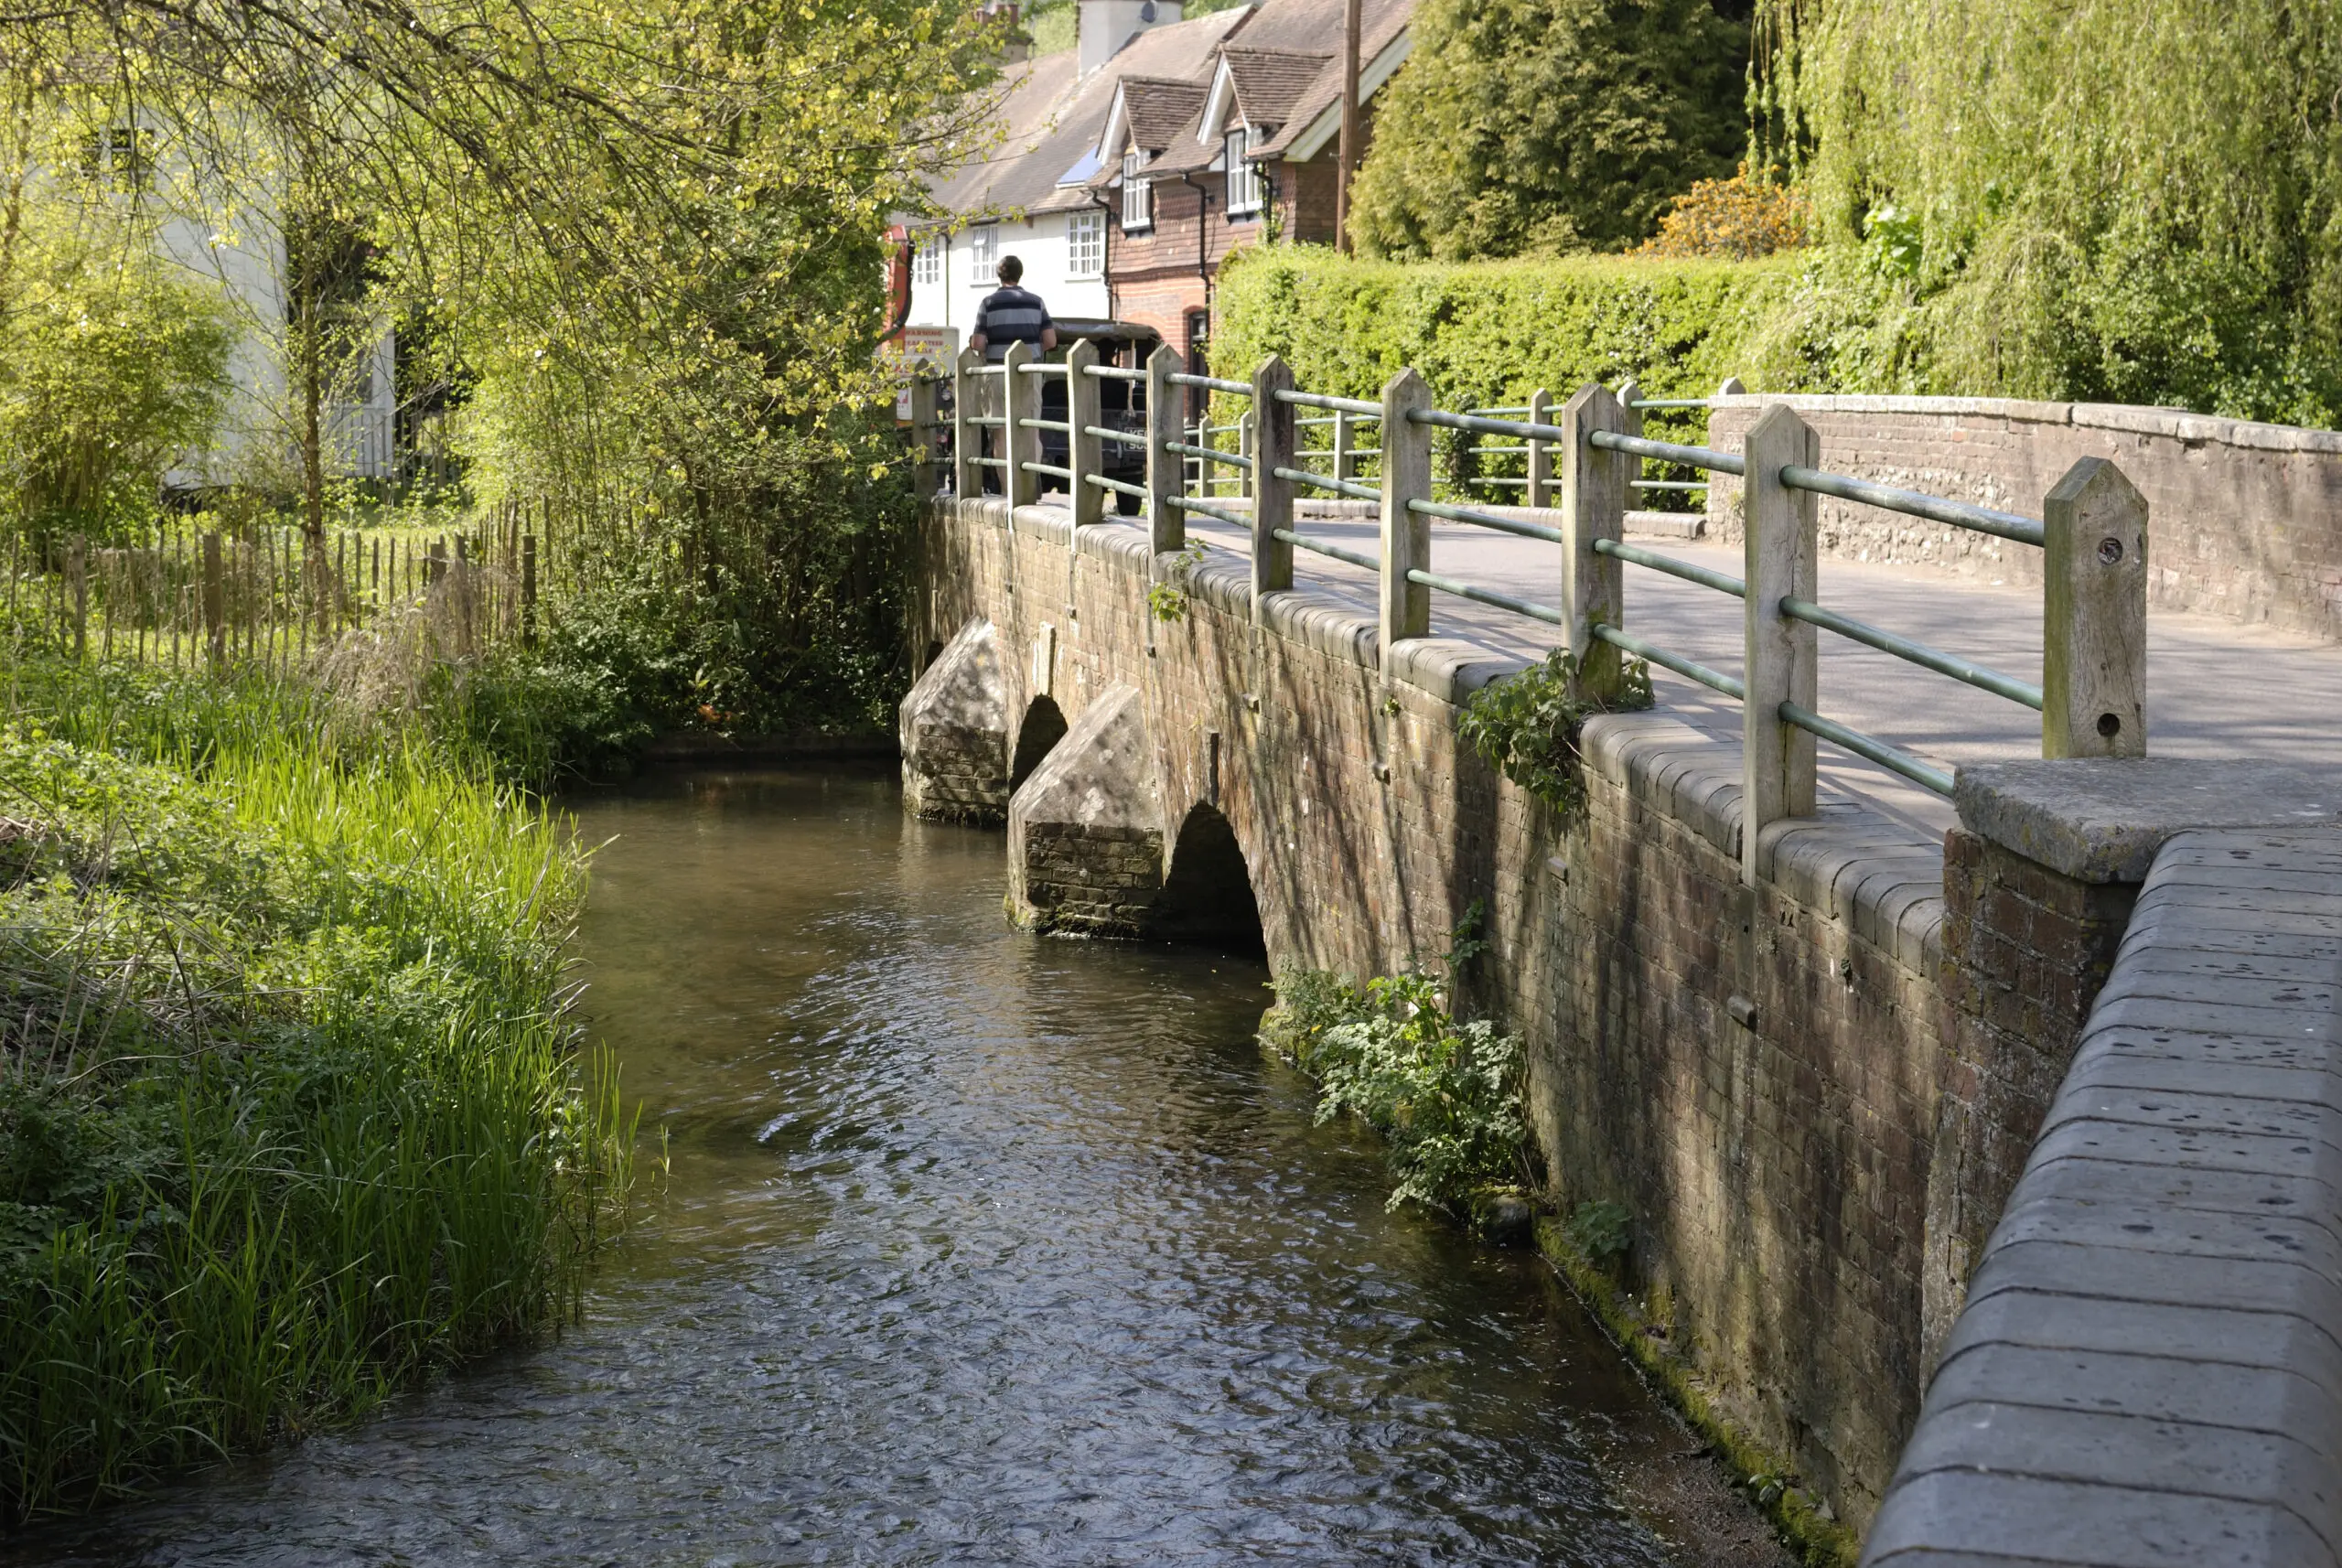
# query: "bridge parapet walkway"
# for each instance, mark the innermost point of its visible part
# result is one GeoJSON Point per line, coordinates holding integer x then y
{"type": "Point", "coordinates": [1586, 457]}
{"type": "Point", "coordinates": [2148, 1367]}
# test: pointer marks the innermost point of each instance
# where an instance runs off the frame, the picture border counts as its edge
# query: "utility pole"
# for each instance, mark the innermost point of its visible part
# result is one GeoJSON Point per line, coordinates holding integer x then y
{"type": "Point", "coordinates": [1346, 157]}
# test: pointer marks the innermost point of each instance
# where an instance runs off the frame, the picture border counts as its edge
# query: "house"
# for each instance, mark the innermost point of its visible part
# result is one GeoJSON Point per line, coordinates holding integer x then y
{"type": "Point", "coordinates": [1031, 195]}
{"type": "Point", "coordinates": [222, 233]}
{"type": "Point", "coordinates": [1129, 167]}
{"type": "Point", "coordinates": [1254, 156]}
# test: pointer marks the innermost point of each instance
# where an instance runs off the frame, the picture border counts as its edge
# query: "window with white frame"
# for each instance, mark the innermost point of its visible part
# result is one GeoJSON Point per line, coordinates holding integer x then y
{"type": "Point", "coordinates": [1138, 194]}
{"type": "Point", "coordinates": [1085, 245]}
{"type": "Point", "coordinates": [1243, 174]}
{"type": "Point", "coordinates": [984, 253]}
{"type": "Point", "coordinates": [927, 261]}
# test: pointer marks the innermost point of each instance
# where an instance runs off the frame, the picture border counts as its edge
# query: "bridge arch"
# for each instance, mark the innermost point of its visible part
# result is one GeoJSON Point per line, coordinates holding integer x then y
{"type": "Point", "coordinates": [1207, 896]}
{"type": "Point", "coordinates": [1044, 726]}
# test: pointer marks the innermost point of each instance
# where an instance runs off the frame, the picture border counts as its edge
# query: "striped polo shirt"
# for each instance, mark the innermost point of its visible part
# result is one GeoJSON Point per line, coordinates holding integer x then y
{"type": "Point", "coordinates": [1009, 316]}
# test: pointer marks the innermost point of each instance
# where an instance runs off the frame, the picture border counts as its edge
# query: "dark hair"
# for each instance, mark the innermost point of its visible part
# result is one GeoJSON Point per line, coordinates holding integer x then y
{"type": "Point", "coordinates": [1009, 269]}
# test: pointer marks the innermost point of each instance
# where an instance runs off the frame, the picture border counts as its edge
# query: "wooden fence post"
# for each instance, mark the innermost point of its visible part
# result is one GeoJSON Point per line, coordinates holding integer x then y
{"type": "Point", "coordinates": [1593, 507]}
{"type": "Point", "coordinates": [1406, 533]}
{"type": "Point", "coordinates": [1777, 757]}
{"type": "Point", "coordinates": [1165, 469]}
{"type": "Point", "coordinates": [2094, 615]}
{"type": "Point", "coordinates": [1021, 400]}
{"type": "Point", "coordinates": [967, 439]}
{"type": "Point", "coordinates": [1540, 489]}
{"type": "Point", "coordinates": [1083, 411]}
{"type": "Point", "coordinates": [1248, 424]}
{"type": "Point", "coordinates": [923, 419]}
{"type": "Point", "coordinates": [1345, 446]}
{"type": "Point", "coordinates": [214, 601]}
{"type": "Point", "coordinates": [1272, 419]}
{"type": "Point", "coordinates": [77, 578]}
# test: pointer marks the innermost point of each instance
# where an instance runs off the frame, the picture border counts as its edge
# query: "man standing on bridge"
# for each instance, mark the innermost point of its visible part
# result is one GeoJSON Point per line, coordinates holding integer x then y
{"type": "Point", "coordinates": [1008, 315]}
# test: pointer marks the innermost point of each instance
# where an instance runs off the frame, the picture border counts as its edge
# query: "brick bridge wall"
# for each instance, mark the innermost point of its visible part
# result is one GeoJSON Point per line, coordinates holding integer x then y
{"type": "Point", "coordinates": [2247, 518]}
{"type": "Point", "coordinates": [1812, 1097]}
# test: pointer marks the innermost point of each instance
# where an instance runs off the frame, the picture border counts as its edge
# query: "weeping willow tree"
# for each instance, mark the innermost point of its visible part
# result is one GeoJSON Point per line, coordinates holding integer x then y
{"type": "Point", "coordinates": [2125, 200]}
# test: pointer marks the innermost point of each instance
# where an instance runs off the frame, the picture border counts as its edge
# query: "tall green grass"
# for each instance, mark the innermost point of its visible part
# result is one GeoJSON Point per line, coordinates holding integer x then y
{"type": "Point", "coordinates": [289, 1111]}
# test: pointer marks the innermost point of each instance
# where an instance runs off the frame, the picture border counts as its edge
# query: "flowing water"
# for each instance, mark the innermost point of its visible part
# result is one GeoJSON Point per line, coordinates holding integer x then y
{"type": "Point", "coordinates": [970, 1247]}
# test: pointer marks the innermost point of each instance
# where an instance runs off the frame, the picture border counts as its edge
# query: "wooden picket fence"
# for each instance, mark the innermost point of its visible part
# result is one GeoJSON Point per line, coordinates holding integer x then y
{"type": "Point", "coordinates": [269, 597]}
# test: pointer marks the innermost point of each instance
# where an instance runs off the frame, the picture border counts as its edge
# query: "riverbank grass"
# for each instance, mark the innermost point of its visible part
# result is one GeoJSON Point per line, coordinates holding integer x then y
{"type": "Point", "coordinates": [289, 1111]}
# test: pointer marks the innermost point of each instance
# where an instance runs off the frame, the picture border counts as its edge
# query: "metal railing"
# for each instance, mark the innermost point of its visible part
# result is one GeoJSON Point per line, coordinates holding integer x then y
{"type": "Point", "coordinates": [1591, 450]}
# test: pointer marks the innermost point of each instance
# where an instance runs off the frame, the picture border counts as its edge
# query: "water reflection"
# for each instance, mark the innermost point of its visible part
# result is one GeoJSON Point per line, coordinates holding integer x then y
{"type": "Point", "coordinates": [975, 1248]}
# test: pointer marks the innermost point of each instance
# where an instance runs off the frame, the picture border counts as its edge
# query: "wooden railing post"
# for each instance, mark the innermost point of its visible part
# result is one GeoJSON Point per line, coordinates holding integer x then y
{"type": "Point", "coordinates": [2094, 615]}
{"type": "Point", "coordinates": [1020, 401]}
{"type": "Point", "coordinates": [1166, 522]}
{"type": "Point", "coordinates": [1083, 409]}
{"type": "Point", "coordinates": [1271, 419]}
{"type": "Point", "coordinates": [1540, 490]}
{"type": "Point", "coordinates": [1593, 507]}
{"type": "Point", "coordinates": [1777, 757]}
{"type": "Point", "coordinates": [967, 439]}
{"type": "Point", "coordinates": [1406, 533]}
{"type": "Point", "coordinates": [923, 421]}
{"type": "Point", "coordinates": [1345, 446]}
{"type": "Point", "coordinates": [1248, 424]}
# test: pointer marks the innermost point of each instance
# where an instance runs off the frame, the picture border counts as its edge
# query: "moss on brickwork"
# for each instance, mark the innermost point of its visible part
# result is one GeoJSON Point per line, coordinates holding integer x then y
{"type": "Point", "coordinates": [1822, 1542]}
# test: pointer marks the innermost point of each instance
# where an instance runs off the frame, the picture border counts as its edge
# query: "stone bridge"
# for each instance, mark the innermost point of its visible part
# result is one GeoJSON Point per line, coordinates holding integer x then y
{"type": "Point", "coordinates": [1813, 1068]}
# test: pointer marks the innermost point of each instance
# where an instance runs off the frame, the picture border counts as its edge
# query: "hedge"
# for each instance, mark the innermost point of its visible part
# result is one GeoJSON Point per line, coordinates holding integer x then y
{"type": "Point", "coordinates": [1488, 333]}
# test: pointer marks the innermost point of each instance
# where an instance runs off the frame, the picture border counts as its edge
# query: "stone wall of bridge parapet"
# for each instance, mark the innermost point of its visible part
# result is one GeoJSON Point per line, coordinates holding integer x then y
{"type": "Point", "coordinates": [1805, 1092]}
{"type": "Point", "coordinates": [2246, 519]}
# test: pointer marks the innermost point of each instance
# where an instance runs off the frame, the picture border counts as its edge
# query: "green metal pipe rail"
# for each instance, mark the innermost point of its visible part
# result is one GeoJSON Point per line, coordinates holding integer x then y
{"type": "Point", "coordinates": [1495, 422]}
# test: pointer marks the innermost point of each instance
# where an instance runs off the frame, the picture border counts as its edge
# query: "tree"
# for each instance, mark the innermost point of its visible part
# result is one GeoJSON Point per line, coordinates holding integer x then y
{"type": "Point", "coordinates": [2119, 199]}
{"type": "Point", "coordinates": [1539, 126]}
{"type": "Point", "coordinates": [112, 365]}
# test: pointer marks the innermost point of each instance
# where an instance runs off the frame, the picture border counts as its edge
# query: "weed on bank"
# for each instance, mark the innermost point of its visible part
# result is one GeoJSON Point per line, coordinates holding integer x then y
{"type": "Point", "coordinates": [289, 1112]}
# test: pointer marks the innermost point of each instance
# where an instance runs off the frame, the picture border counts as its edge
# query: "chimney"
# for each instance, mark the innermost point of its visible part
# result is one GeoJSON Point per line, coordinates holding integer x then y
{"type": "Point", "coordinates": [1016, 43]}
{"type": "Point", "coordinates": [1103, 26]}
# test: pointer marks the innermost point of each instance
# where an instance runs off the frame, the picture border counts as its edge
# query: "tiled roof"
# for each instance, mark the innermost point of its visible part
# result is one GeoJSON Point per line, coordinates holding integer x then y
{"type": "Point", "coordinates": [1269, 82]}
{"type": "Point", "coordinates": [1380, 23]}
{"type": "Point", "coordinates": [1285, 78]}
{"type": "Point", "coordinates": [1051, 117]}
{"type": "Point", "coordinates": [1157, 110]}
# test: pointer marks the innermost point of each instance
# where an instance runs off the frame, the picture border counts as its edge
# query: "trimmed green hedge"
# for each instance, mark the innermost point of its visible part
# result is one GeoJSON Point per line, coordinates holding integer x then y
{"type": "Point", "coordinates": [1489, 333]}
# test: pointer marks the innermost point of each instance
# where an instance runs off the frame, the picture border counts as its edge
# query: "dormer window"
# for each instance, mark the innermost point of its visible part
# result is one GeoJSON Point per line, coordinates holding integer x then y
{"type": "Point", "coordinates": [1138, 194]}
{"type": "Point", "coordinates": [1243, 174]}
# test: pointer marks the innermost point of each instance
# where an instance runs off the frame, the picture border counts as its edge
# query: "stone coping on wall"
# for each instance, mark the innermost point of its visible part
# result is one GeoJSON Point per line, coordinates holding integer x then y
{"type": "Point", "coordinates": [2148, 1368]}
{"type": "Point", "coordinates": [2178, 424]}
{"type": "Point", "coordinates": [2103, 819]}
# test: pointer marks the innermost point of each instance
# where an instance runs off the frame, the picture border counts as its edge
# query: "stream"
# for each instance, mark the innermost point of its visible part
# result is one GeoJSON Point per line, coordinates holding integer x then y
{"type": "Point", "coordinates": [966, 1246]}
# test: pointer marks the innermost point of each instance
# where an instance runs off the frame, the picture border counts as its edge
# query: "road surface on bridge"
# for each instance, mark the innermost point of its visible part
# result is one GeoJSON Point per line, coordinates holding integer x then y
{"type": "Point", "coordinates": [2215, 687]}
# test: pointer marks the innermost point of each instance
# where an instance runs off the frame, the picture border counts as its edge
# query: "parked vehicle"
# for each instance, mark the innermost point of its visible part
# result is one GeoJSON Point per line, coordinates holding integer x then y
{"type": "Point", "coordinates": [1122, 404]}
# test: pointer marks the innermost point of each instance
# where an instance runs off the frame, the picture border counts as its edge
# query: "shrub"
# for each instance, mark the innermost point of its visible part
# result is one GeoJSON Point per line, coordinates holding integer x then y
{"type": "Point", "coordinates": [1526, 726]}
{"type": "Point", "coordinates": [1444, 1095]}
{"type": "Point", "coordinates": [112, 363]}
{"type": "Point", "coordinates": [1493, 332]}
{"type": "Point", "coordinates": [1740, 219]}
